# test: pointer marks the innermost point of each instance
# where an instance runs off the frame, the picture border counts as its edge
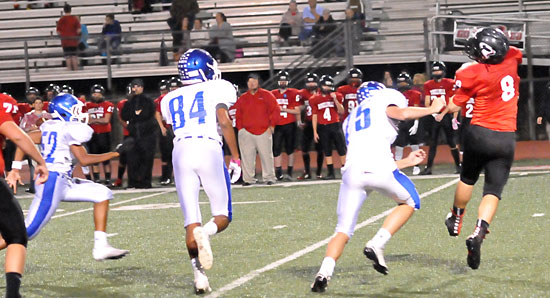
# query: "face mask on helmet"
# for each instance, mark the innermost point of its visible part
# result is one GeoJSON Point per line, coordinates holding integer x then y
{"type": "Point", "coordinates": [438, 75]}
{"type": "Point", "coordinates": [282, 84]}
{"type": "Point", "coordinates": [97, 97]}
{"type": "Point", "coordinates": [354, 82]}
{"type": "Point", "coordinates": [403, 86]}
{"type": "Point", "coordinates": [326, 89]}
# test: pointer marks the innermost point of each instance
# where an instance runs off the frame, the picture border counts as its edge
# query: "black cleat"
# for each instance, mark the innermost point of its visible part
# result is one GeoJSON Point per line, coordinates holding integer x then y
{"type": "Point", "coordinates": [319, 285]}
{"type": "Point", "coordinates": [454, 223]}
{"type": "Point", "coordinates": [426, 171]}
{"type": "Point", "coordinates": [458, 169]}
{"type": "Point", "coordinates": [377, 256]}
{"type": "Point", "coordinates": [474, 251]}
{"type": "Point", "coordinates": [329, 177]}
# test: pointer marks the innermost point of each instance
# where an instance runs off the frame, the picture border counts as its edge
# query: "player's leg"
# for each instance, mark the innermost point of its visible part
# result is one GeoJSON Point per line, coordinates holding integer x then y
{"type": "Point", "coordinates": [278, 135]}
{"type": "Point", "coordinates": [105, 140]}
{"type": "Point", "coordinates": [45, 202]}
{"type": "Point", "coordinates": [14, 237]}
{"type": "Point", "coordinates": [87, 191]}
{"type": "Point", "coordinates": [446, 123]}
{"type": "Point", "coordinates": [247, 147]}
{"type": "Point", "coordinates": [307, 140]}
{"type": "Point", "coordinates": [436, 126]}
{"type": "Point", "coordinates": [290, 145]}
{"type": "Point", "coordinates": [326, 145]}
{"type": "Point", "coordinates": [265, 150]}
{"type": "Point", "coordinates": [166, 146]}
{"type": "Point", "coordinates": [350, 199]}
{"type": "Point", "coordinates": [339, 142]}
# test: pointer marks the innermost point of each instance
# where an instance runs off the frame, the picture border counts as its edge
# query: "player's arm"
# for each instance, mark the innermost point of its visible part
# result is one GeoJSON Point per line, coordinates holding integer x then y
{"type": "Point", "coordinates": [452, 107]}
{"type": "Point", "coordinates": [228, 133]}
{"type": "Point", "coordinates": [105, 120]}
{"type": "Point", "coordinates": [158, 116]}
{"type": "Point", "coordinates": [413, 159]}
{"type": "Point", "coordinates": [337, 103]}
{"type": "Point", "coordinates": [427, 101]}
{"type": "Point", "coordinates": [314, 124]}
{"type": "Point", "coordinates": [86, 159]}
{"type": "Point", "coordinates": [410, 113]}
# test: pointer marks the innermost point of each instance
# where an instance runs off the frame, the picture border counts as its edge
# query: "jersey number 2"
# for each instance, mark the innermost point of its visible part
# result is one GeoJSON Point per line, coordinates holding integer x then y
{"type": "Point", "coordinates": [178, 115]}
{"type": "Point", "coordinates": [49, 143]}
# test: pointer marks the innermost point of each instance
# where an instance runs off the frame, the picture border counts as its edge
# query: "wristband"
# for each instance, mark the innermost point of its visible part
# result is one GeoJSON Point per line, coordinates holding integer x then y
{"type": "Point", "coordinates": [16, 165]}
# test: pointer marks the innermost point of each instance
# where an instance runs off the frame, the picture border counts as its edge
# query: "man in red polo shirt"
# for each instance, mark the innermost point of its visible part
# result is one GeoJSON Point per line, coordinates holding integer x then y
{"type": "Point", "coordinates": [285, 131]}
{"type": "Point", "coordinates": [100, 112]}
{"type": "Point", "coordinates": [68, 29]}
{"type": "Point", "coordinates": [326, 105]}
{"type": "Point", "coordinates": [257, 114]}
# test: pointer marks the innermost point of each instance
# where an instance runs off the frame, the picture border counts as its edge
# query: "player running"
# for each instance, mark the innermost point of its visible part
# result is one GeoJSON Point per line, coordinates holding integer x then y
{"type": "Point", "coordinates": [62, 138]}
{"type": "Point", "coordinates": [490, 141]}
{"type": "Point", "coordinates": [194, 111]}
{"type": "Point", "coordinates": [370, 130]}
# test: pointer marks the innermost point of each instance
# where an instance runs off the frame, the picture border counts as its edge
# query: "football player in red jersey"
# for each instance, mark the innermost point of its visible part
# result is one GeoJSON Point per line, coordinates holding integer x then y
{"type": "Point", "coordinates": [349, 91]}
{"type": "Point", "coordinates": [285, 130]}
{"type": "Point", "coordinates": [100, 112]}
{"type": "Point", "coordinates": [493, 82]}
{"type": "Point", "coordinates": [311, 88]}
{"type": "Point", "coordinates": [125, 135]}
{"type": "Point", "coordinates": [407, 133]}
{"type": "Point", "coordinates": [166, 140]}
{"type": "Point", "coordinates": [326, 106]}
{"type": "Point", "coordinates": [442, 88]}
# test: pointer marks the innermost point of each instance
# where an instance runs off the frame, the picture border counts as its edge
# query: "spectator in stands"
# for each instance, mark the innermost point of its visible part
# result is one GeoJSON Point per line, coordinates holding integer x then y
{"type": "Point", "coordinates": [323, 28]}
{"type": "Point", "coordinates": [356, 31]}
{"type": "Point", "coordinates": [311, 14]}
{"type": "Point", "coordinates": [111, 34]}
{"type": "Point", "coordinates": [291, 23]}
{"type": "Point", "coordinates": [222, 44]}
{"type": "Point", "coordinates": [257, 114]}
{"type": "Point", "coordinates": [83, 45]}
{"type": "Point", "coordinates": [179, 10]}
{"type": "Point", "coordinates": [140, 6]}
{"type": "Point", "coordinates": [68, 29]}
{"type": "Point", "coordinates": [199, 37]}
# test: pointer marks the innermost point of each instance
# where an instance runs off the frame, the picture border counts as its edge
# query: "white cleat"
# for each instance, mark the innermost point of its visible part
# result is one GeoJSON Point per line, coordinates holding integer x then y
{"type": "Point", "coordinates": [108, 253]}
{"type": "Point", "coordinates": [416, 170]}
{"type": "Point", "coordinates": [202, 285]}
{"type": "Point", "coordinates": [376, 255]}
{"type": "Point", "coordinates": [205, 251]}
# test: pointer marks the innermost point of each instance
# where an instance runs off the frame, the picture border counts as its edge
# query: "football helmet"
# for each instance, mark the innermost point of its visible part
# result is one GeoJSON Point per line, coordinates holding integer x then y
{"type": "Point", "coordinates": [174, 83]}
{"type": "Point", "coordinates": [196, 66]}
{"type": "Point", "coordinates": [67, 89]}
{"type": "Point", "coordinates": [355, 77]}
{"type": "Point", "coordinates": [52, 88]}
{"type": "Point", "coordinates": [163, 85]}
{"type": "Point", "coordinates": [97, 88]}
{"type": "Point", "coordinates": [404, 77]}
{"type": "Point", "coordinates": [488, 46]}
{"type": "Point", "coordinates": [283, 79]}
{"type": "Point", "coordinates": [328, 81]}
{"type": "Point", "coordinates": [68, 108]}
{"type": "Point", "coordinates": [367, 89]}
{"type": "Point", "coordinates": [32, 90]}
{"type": "Point", "coordinates": [438, 66]}
{"type": "Point", "coordinates": [312, 77]}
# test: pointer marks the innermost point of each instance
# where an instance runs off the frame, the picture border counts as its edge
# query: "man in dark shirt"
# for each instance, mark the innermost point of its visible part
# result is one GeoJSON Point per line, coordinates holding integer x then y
{"type": "Point", "coordinates": [111, 34]}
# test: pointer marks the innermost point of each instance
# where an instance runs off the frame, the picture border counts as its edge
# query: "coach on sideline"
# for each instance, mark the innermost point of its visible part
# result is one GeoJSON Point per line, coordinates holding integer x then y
{"type": "Point", "coordinates": [257, 114]}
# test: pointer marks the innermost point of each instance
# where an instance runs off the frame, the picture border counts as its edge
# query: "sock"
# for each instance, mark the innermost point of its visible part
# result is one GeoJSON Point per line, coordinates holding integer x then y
{"type": "Point", "coordinates": [327, 267]}
{"type": "Point", "coordinates": [278, 172]}
{"type": "Point", "coordinates": [96, 176]}
{"type": "Point", "coordinates": [307, 160]}
{"type": "Point", "coordinates": [210, 228]}
{"type": "Point", "coordinates": [13, 283]}
{"type": "Point", "coordinates": [88, 177]}
{"type": "Point", "coordinates": [431, 156]}
{"type": "Point", "coordinates": [456, 157]}
{"type": "Point", "coordinates": [481, 228]}
{"type": "Point", "coordinates": [164, 175]}
{"type": "Point", "coordinates": [415, 147]}
{"type": "Point", "coordinates": [398, 153]}
{"type": "Point", "coordinates": [289, 170]}
{"type": "Point", "coordinates": [120, 172]}
{"type": "Point", "coordinates": [381, 238]}
{"type": "Point", "coordinates": [100, 239]}
{"type": "Point", "coordinates": [458, 211]}
{"type": "Point", "coordinates": [330, 170]}
{"type": "Point", "coordinates": [85, 170]}
{"type": "Point", "coordinates": [320, 159]}
{"type": "Point", "coordinates": [108, 176]}
{"type": "Point", "coordinates": [196, 264]}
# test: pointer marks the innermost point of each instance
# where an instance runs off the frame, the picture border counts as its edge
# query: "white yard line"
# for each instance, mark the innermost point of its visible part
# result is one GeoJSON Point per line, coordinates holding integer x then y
{"type": "Point", "coordinates": [253, 274]}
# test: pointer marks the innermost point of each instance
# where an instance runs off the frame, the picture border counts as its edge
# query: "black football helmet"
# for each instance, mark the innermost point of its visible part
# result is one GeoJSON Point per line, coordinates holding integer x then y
{"type": "Point", "coordinates": [52, 88]}
{"type": "Point", "coordinates": [438, 66]}
{"type": "Point", "coordinates": [283, 79]}
{"type": "Point", "coordinates": [174, 83]}
{"type": "Point", "coordinates": [163, 85]}
{"type": "Point", "coordinates": [355, 73]}
{"type": "Point", "coordinates": [97, 88]}
{"type": "Point", "coordinates": [128, 89]}
{"type": "Point", "coordinates": [312, 78]}
{"type": "Point", "coordinates": [328, 81]}
{"type": "Point", "coordinates": [488, 46]}
{"type": "Point", "coordinates": [67, 89]}
{"type": "Point", "coordinates": [32, 90]}
{"type": "Point", "coordinates": [404, 77]}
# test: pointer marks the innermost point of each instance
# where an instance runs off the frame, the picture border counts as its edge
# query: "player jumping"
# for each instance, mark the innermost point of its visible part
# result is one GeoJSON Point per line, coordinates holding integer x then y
{"type": "Point", "coordinates": [194, 111]}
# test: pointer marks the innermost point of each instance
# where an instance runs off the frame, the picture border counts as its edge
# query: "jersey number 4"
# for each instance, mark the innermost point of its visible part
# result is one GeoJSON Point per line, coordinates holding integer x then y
{"type": "Point", "coordinates": [196, 111]}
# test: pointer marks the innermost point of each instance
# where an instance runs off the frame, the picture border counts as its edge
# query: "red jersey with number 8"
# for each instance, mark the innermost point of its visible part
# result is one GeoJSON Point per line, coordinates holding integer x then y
{"type": "Point", "coordinates": [495, 89]}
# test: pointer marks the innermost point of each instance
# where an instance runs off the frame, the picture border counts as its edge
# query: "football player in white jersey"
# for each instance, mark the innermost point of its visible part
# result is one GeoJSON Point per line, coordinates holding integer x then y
{"type": "Point", "coordinates": [195, 111]}
{"type": "Point", "coordinates": [62, 139]}
{"type": "Point", "coordinates": [370, 129]}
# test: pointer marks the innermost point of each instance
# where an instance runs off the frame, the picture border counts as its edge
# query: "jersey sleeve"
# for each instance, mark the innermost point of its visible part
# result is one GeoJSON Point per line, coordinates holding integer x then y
{"type": "Point", "coordinates": [313, 105]}
{"type": "Point", "coordinates": [464, 85]}
{"type": "Point", "coordinates": [516, 54]}
{"type": "Point", "coordinates": [395, 98]}
{"type": "Point", "coordinates": [225, 93]}
{"type": "Point", "coordinates": [78, 133]}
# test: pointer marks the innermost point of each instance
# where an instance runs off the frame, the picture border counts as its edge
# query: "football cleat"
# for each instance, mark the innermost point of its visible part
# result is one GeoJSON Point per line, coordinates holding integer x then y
{"type": "Point", "coordinates": [108, 252]}
{"type": "Point", "coordinates": [454, 223]}
{"type": "Point", "coordinates": [166, 181]}
{"type": "Point", "coordinates": [201, 283]}
{"type": "Point", "coordinates": [304, 176]}
{"type": "Point", "coordinates": [427, 171]}
{"type": "Point", "coordinates": [205, 251]}
{"type": "Point", "coordinates": [473, 244]}
{"type": "Point", "coordinates": [118, 183]}
{"type": "Point", "coordinates": [319, 285]}
{"type": "Point", "coordinates": [329, 177]}
{"type": "Point", "coordinates": [376, 255]}
{"type": "Point", "coordinates": [416, 170]}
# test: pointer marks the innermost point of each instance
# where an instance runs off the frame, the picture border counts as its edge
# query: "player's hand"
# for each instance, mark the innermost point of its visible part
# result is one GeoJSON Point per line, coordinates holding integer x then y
{"type": "Point", "coordinates": [414, 129]}
{"type": "Point", "coordinates": [235, 170]}
{"type": "Point", "coordinates": [539, 120]}
{"type": "Point", "coordinates": [333, 95]}
{"type": "Point", "coordinates": [41, 174]}
{"type": "Point", "coordinates": [125, 146]}
{"type": "Point", "coordinates": [439, 117]}
{"type": "Point", "coordinates": [416, 157]}
{"type": "Point", "coordinates": [163, 130]}
{"type": "Point", "coordinates": [455, 123]}
{"type": "Point", "coordinates": [437, 105]}
{"type": "Point", "coordinates": [316, 137]}
{"type": "Point", "coordinates": [13, 178]}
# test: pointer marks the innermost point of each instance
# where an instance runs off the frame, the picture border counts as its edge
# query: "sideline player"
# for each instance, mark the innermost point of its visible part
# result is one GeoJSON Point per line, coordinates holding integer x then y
{"type": "Point", "coordinates": [326, 106]}
{"type": "Point", "coordinates": [311, 88]}
{"type": "Point", "coordinates": [166, 139]}
{"type": "Point", "coordinates": [285, 130]}
{"type": "Point", "coordinates": [62, 138]}
{"type": "Point", "coordinates": [407, 134]}
{"type": "Point", "coordinates": [349, 91]}
{"type": "Point", "coordinates": [370, 130]}
{"type": "Point", "coordinates": [194, 111]}
{"type": "Point", "coordinates": [12, 222]}
{"type": "Point", "coordinates": [442, 88]}
{"type": "Point", "coordinates": [490, 142]}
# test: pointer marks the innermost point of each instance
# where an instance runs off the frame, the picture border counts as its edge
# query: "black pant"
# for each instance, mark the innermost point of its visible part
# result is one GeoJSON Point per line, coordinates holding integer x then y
{"type": "Point", "coordinates": [446, 126]}
{"type": "Point", "coordinates": [329, 134]}
{"type": "Point", "coordinates": [285, 31]}
{"type": "Point", "coordinates": [140, 161]}
{"type": "Point", "coordinates": [12, 221]}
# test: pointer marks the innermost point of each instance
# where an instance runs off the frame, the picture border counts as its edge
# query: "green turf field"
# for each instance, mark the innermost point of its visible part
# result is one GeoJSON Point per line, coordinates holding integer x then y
{"type": "Point", "coordinates": [273, 223]}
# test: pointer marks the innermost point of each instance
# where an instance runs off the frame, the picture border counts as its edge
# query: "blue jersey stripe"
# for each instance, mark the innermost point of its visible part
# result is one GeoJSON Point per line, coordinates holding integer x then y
{"type": "Point", "coordinates": [45, 204]}
{"type": "Point", "coordinates": [228, 185]}
{"type": "Point", "coordinates": [408, 185]}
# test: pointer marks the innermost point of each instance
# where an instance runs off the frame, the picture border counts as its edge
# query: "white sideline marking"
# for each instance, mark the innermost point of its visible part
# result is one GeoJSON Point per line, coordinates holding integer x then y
{"type": "Point", "coordinates": [175, 205]}
{"type": "Point", "coordinates": [538, 214]}
{"type": "Point", "coordinates": [279, 227]}
{"type": "Point", "coordinates": [114, 204]}
{"type": "Point", "coordinates": [252, 274]}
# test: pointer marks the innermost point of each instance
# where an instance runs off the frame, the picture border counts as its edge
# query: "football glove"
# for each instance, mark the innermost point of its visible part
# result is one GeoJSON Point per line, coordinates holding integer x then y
{"type": "Point", "coordinates": [414, 128]}
{"type": "Point", "coordinates": [125, 146]}
{"type": "Point", "coordinates": [455, 124]}
{"type": "Point", "coordinates": [235, 170]}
